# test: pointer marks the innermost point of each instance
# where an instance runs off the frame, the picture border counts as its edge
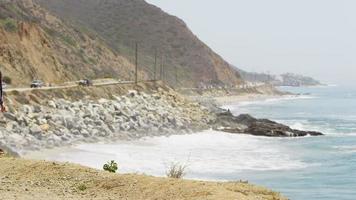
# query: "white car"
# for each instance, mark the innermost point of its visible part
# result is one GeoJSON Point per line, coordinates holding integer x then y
{"type": "Point", "coordinates": [37, 84]}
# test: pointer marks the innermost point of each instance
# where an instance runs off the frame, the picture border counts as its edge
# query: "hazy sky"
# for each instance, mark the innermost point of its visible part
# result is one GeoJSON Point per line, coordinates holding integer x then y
{"type": "Point", "coordinates": [311, 37]}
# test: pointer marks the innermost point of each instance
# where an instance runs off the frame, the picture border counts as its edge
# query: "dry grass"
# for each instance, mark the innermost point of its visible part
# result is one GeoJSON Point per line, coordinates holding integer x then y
{"type": "Point", "coordinates": [176, 170]}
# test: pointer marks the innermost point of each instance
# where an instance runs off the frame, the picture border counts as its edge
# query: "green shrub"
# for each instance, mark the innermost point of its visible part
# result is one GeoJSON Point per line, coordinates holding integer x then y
{"type": "Point", "coordinates": [176, 170]}
{"type": "Point", "coordinates": [82, 187]}
{"type": "Point", "coordinates": [111, 167]}
{"type": "Point", "coordinates": [92, 60]}
{"type": "Point", "coordinates": [69, 40]}
{"type": "Point", "coordinates": [9, 24]}
{"type": "Point", "coordinates": [7, 80]}
{"type": "Point", "coordinates": [51, 32]}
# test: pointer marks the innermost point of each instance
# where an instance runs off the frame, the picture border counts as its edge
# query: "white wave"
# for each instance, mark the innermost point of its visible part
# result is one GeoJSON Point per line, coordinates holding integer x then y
{"type": "Point", "coordinates": [346, 149]}
{"type": "Point", "coordinates": [305, 125]}
{"type": "Point", "coordinates": [268, 101]}
{"type": "Point", "coordinates": [351, 134]}
{"type": "Point", "coordinates": [205, 153]}
{"type": "Point", "coordinates": [325, 128]}
{"type": "Point", "coordinates": [331, 85]}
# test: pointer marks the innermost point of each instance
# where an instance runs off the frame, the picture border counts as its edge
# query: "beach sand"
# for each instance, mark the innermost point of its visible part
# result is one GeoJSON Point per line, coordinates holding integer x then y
{"type": "Point", "coordinates": [28, 179]}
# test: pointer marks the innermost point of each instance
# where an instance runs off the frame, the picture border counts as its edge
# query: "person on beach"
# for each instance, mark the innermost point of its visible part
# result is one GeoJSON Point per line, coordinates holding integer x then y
{"type": "Point", "coordinates": [2, 106]}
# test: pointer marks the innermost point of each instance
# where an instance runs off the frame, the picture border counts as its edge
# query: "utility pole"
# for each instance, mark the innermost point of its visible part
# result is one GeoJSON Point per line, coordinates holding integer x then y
{"type": "Point", "coordinates": [136, 63]}
{"type": "Point", "coordinates": [176, 75]}
{"type": "Point", "coordinates": [155, 68]}
{"type": "Point", "coordinates": [161, 69]}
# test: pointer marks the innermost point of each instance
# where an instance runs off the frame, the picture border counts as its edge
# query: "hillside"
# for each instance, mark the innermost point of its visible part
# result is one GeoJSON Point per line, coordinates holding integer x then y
{"type": "Point", "coordinates": [296, 80]}
{"type": "Point", "coordinates": [256, 77]}
{"type": "Point", "coordinates": [286, 79]}
{"type": "Point", "coordinates": [121, 23]}
{"type": "Point", "coordinates": [37, 45]}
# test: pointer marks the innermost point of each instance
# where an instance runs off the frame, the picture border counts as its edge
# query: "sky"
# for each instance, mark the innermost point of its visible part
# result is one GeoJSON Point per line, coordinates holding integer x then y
{"type": "Point", "coordinates": [311, 37]}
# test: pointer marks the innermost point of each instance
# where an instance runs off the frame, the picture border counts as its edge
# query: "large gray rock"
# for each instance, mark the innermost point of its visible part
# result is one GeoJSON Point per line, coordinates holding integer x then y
{"type": "Point", "coordinates": [10, 116]}
{"type": "Point", "coordinates": [37, 109]}
{"type": "Point", "coordinates": [26, 109]}
{"type": "Point", "coordinates": [35, 129]}
{"type": "Point", "coordinates": [260, 127]}
{"type": "Point", "coordinates": [52, 104]}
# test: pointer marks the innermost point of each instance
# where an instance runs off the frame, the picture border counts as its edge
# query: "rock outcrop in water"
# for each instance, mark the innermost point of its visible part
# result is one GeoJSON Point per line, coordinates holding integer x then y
{"type": "Point", "coordinates": [260, 127]}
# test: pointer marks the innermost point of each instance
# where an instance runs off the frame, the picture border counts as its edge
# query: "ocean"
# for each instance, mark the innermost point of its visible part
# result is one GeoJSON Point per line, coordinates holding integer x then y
{"type": "Point", "coordinates": [309, 168]}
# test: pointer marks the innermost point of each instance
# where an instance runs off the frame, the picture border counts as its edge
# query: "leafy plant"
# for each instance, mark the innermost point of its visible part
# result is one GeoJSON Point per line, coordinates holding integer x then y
{"type": "Point", "coordinates": [82, 187]}
{"type": "Point", "coordinates": [176, 170]}
{"type": "Point", "coordinates": [111, 167]}
{"type": "Point", "coordinates": [9, 24]}
{"type": "Point", "coordinates": [69, 40]}
{"type": "Point", "coordinates": [7, 80]}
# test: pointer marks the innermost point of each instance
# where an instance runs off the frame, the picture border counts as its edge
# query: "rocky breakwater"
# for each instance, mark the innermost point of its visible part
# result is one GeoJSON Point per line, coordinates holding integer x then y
{"type": "Point", "coordinates": [61, 122]}
{"type": "Point", "coordinates": [247, 124]}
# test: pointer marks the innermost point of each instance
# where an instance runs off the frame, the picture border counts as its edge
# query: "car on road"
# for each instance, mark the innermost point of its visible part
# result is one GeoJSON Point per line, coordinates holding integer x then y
{"type": "Point", "coordinates": [37, 84]}
{"type": "Point", "coordinates": [85, 83]}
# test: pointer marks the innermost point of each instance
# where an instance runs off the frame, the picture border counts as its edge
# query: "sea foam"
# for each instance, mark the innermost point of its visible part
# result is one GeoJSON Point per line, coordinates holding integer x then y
{"type": "Point", "coordinates": [204, 153]}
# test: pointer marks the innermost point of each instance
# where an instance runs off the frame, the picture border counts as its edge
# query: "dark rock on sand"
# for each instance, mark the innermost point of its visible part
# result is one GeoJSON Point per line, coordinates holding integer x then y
{"type": "Point", "coordinates": [246, 124]}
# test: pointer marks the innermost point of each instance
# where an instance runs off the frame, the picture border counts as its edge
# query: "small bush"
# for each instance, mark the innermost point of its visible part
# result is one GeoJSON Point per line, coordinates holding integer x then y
{"type": "Point", "coordinates": [7, 80]}
{"type": "Point", "coordinates": [176, 170]}
{"type": "Point", "coordinates": [82, 187]}
{"type": "Point", "coordinates": [70, 41]}
{"type": "Point", "coordinates": [111, 167]}
{"type": "Point", "coordinates": [10, 25]}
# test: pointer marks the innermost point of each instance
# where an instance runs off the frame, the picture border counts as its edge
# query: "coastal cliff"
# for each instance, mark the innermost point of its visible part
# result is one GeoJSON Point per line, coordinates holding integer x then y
{"type": "Point", "coordinates": [285, 79]}
{"type": "Point", "coordinates": [121, 23]}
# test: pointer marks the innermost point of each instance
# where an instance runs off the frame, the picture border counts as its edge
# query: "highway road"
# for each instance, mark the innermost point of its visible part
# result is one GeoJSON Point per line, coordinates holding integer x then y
{"type": "Point", "coordinates": [99, 82]}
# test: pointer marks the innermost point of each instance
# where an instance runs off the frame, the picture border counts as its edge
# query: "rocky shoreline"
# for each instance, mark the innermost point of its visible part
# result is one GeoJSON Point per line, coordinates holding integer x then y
{"type": "Point", "coordinates": [62, 122]}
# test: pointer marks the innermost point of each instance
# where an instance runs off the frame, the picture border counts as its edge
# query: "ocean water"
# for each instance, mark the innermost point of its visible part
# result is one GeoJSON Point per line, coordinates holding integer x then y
{"type": "Point", "coordinates": [310, 168]}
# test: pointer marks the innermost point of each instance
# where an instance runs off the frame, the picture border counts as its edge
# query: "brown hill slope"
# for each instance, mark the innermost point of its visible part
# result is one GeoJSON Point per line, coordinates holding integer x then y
{"type": "Point", "coordinates": [123, 22]}
{"type": "Point", "coordinates": [35, 44]}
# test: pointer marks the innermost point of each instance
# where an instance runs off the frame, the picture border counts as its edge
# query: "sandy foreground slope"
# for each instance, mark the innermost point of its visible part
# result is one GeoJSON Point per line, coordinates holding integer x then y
{"type": "Point", "coordinates": [27, 179]}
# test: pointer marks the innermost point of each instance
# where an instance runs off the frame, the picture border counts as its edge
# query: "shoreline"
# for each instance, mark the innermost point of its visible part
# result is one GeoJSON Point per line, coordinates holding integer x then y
{"type": "Point", "coordinates": [151, 151]}
{"type": "Point", "coordinates": [162, 112]}
{"type": "Point", "coordinates": [60, 122]}
{"type": "Point", "coordinates": [135, 136]}
{"type": "Point", "coordinates": [49, 118]}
